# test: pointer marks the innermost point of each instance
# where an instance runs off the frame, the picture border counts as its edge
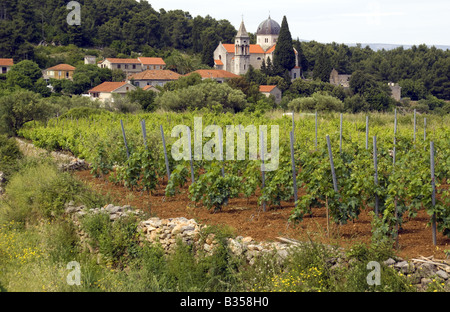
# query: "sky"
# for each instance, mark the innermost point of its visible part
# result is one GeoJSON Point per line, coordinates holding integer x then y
{"type": "Point", "coordinates": [345, 21]}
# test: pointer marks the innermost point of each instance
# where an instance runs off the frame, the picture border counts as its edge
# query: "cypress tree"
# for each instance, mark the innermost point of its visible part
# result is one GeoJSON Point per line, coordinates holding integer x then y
{"type": "Point", "coordinates": [284, 55]}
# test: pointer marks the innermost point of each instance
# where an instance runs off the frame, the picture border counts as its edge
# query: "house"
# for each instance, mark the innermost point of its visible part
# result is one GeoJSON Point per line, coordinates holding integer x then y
{"type": "Point", "coordinates": [396, 91]}
{"type": "Point", "coordinates": [152, 63]}
{"type": "Point", "coordinates": [153, 77]}
{"type": "Point", "coordinates": [5, 65]}
{"type": "Point", "coordinates": [61, 71]}
{"type": "Point", "coordinates": [337, 79]}
{"type": "Point", "coordinates": [105, 90]}
{"type": "Point", "coordinates": [132, 66]}
{"type": "Point", "coordinates": [237, 57]}
{"type": "Point", "coordinates": [271, 90]}
{"type": "Point", "coordinates": [219, 75]}
{"type": "Point", "coordinates": [128, 66]}
{"type": "Point", "coordinates": [151, 88]}
{"type": "Point", "coordinates": [90, 59]}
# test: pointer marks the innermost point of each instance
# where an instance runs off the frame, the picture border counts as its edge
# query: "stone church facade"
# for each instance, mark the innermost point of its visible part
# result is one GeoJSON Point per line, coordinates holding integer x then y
{"type": "Point", "coordinates": [237, 58]}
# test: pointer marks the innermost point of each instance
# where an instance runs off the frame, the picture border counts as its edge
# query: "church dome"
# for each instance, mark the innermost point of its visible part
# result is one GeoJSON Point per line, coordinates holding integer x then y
{"type": "Point", "coordinates": [268, 27]}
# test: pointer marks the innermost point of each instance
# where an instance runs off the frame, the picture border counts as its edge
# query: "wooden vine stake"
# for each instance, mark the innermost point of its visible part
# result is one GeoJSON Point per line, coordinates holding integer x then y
{"type": "Point", "coordinates": [375, 165]}
{"type": "Point", "coordinates": [190, 155]}
{"type": "Point", "coordinates": [165, 152]}
{"type": "Point", "coordinates": [433, 194]}
{"type": "Point", "coordinates": [294, 178]}
{"type": "Point", "coordinates": [340, 136]}
{"type": "Point", "coordinates": [124, 138]}
{"type": "Point", "coordinates": [315, 142]}
{"type": "Point", "coordinates": [367, 132]}
{"type": "Point", "coordinates": [333, 173]}
{"type": "Point", "coordinates": [261, 140]}
{"type": "Point", "coordinates": [144, 133]}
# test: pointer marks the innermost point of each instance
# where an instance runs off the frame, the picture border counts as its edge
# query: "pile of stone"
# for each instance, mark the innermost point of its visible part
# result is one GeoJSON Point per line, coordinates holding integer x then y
{"type": "Point", "coordinates": [167, 232]}
{"type": "Point", "coordinates": [73, 165]}
{"type": "Point", "coordinates": [65, 161]}
{"type": "Point", "coordinates": [114, 212]}
{"type": "Point", "coordinates": [423, 271]}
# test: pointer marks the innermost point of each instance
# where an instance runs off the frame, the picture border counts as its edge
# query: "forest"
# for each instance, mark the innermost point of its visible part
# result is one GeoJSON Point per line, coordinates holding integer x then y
{"type": "Point", "coordinates": [38, 31]}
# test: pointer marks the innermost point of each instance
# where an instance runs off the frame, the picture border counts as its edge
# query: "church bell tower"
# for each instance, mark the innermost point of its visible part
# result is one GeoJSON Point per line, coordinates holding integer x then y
{"type": "Point", "coordinates": [242, 51]}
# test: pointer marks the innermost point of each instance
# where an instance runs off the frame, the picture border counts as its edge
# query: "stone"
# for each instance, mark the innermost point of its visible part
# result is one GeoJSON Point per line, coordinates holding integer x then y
{"type": "Point", "coordinates": [155, 222]}
{"type": "Point", "coordinates": [442, 274]}
{"type": "Point", "coordinates": [425, 281]}
{"type": "Point", "coordinates": [389, 262]}
{"type": "Point", "coordinates": [235, 247]}
{"type": "Point", "coordinates": [254, 247]}
{"type": "Point", "coordinates": [427, 269]}
{"type": "Point", "coordinates": [247, 240]}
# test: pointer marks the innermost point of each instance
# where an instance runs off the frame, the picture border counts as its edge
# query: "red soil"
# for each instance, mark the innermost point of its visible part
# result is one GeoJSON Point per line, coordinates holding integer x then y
{"type": "Point", "coordinates": [248, 219]}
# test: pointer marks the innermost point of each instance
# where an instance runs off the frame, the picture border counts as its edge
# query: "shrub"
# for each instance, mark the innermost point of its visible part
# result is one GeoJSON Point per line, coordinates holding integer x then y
{"type": "Point", "coordinates": [319, 101]}
{"type": "Point", "coordinates": [9, 156]}
{"type": "Point", "coordinates": [39, 190]}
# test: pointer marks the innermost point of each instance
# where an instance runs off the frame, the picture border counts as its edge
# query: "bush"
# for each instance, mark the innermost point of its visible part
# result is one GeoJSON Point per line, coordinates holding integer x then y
{"type": "Point", "coordinates": [9, 156]}
{"type": "Point", "coordinates": [207, 95]}
{"type": "Point", "coordinates": [39, 190]}
{"type": "Point", "coordinates": [116, 241]}
{"type": "Point", "coordinates": [20, 107]}
{"type": "Point", "coordinates": [319, 101]}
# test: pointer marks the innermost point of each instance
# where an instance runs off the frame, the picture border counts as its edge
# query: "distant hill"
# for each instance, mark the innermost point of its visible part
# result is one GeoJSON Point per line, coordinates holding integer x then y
{"type": "Point", "coordinates": [387, 46]}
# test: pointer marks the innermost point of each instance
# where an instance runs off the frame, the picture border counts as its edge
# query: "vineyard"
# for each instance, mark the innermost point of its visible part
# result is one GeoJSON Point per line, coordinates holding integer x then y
{"type": "Point", "coordinates": [390, 167]}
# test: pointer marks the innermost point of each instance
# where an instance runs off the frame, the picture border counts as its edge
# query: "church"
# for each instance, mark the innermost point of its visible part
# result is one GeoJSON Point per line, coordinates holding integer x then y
{"type": "Point", "coordinates": [236, 58]}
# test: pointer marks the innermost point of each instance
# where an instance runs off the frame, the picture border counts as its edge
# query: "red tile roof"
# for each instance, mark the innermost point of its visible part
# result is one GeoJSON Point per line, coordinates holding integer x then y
{"type": "Point", "coordinates": [107, 86]}
{"type": "Point", "coordinates": [123, 61]}
{"type": "Point", "coordinates": [6, 62]}
{"type": "Point", "coordinates": [266, 89]}
{"type": "Point", "coordinates": [229, 47]}
{"type": "Point", "coordinates": [163, 74]}
{"type": "Point", "coordinates": [151, 61]}
{"type": "Point", "coordinates": [214, 73]}
{"type": "Point", "coordinates": [271, 49]}
{"type": "Point", "coordinates": [254, 48]}
{"type": "Point", "coordinates": [62, 67]}
{"type": "Point", "coordinates": [218, 62]}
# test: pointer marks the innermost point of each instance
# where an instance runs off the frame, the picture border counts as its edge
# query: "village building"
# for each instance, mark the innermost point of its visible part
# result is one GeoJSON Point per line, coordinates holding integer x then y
{"type": "Point", "coordinates": [337, 79]}
{"type": "Point", "coordinates": [151, 88]}
{"type": "Point", "coordinates": [269, 90]}
{"type": "Point", "coordinates": [238, 57]}
{"type": "Point", "coordinates": [219, 75]}
{"type": "Point", "coordinates": [153, 78]}
{"type": "Point", "coordinates": [61, 71]}
{"type": "Point", "coordinates": [132, 66]}
{"type": "Point", "coordinates": [6, 65]}
{"type": "Point", "coordinates": [396, 91]}
{"type": "Point", "coordinates": [105, 90]}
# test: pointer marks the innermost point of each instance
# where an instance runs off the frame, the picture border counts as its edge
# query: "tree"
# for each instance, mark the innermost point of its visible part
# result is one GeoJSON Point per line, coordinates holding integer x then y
{"type": "Point", "coordinates": [284, 55]}
{"type": "Point", "coordinates": [20, 107]}
{"type": "Point", "coordinates": [209, 95]}
{"type": "Point", "coordinates": [322, 67]}
{"type": "Point", "coordinates": [24, 74]}
{"type": "Point", "coordinates": [88, 76]}
{"type": "Point", "coordinates": [144, 98]}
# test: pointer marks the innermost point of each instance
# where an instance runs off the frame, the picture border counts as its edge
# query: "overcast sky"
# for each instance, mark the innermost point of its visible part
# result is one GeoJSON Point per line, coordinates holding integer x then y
{"type": "Point", "coordinates": [345, 21]}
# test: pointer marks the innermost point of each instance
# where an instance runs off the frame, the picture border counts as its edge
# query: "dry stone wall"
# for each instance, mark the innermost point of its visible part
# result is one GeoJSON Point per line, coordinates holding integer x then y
{"type": "Point", "coordinates": [166, 232]}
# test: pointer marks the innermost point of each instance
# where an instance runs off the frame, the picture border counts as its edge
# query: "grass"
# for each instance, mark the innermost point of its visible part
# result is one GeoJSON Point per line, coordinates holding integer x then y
{"type": "Point", "coordinates": [37, 241]}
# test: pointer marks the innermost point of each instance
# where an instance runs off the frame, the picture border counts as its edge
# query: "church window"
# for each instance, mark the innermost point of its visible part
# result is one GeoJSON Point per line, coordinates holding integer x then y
{"type": "Point", "coordinates": [259, 59]}
{"type": "Point", "coordinates": [267, 40]}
